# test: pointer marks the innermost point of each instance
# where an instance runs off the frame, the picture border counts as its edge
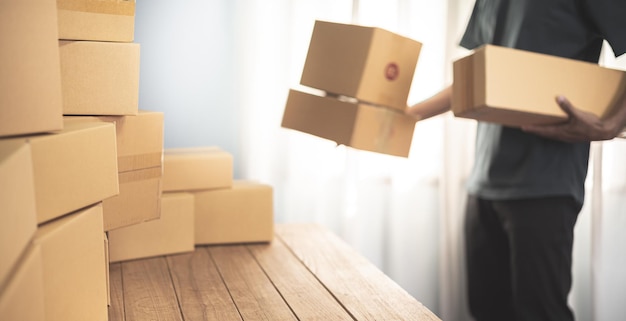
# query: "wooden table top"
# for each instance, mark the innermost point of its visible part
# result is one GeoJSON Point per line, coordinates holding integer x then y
{"type": "Point", "coordinates": [305, 273]}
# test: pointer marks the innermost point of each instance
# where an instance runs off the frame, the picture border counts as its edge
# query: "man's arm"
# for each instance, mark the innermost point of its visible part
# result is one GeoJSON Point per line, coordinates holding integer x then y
{"type": "Point", "coordinates": [433, 106]}
{"type": "Point", "coordinates": [583, 126]}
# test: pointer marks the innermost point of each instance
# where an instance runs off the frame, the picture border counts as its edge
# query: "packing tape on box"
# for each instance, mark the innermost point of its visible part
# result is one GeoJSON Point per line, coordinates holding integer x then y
{"type": "Point", "coordinates": [141, 174]}
{"type": "Point", "coordinates": [114, 7]}
{"type": "Point", "coordinates": [383, 140]}
{"type": "Point", "coordinates": [134, 162]}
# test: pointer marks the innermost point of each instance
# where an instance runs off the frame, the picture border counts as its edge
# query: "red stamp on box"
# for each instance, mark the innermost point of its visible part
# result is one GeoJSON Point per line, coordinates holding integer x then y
{"type": "Point", "coordinates": [392, 71]}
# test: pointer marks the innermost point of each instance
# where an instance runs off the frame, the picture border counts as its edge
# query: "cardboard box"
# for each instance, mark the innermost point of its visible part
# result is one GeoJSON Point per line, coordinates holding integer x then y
{"type": "Point", "coordinates": [196, 168]}
{"type": "Point", "coordinates": [367, 63]}
{"type": "Point", "coordinates": [74, 275]}
{"type": "Point", "coordinates": [515, 88]}
{"type": "Point", "coordinates": [72, 169]}
{"type": "Point", "coordinates": [99, 78]}
{"type": "Point", "coordinates": [241, 214]}
{"type": "Point", "coordinates": [106, 267]}
{"type": "Point", "coordinates": [22, 298]}
{"type": "Point", "coordinates": [360, 126]}
{"type": "Point", "coordinates": [97, 20]}
{"type": "Point", "coordinates": [30, 77]}
{"type": "Point", "coordinates": [139, 160]}
{"type": "Point", "coordinates": [18, 216]}
{"type": "Point", "coordinates": [172, 233]}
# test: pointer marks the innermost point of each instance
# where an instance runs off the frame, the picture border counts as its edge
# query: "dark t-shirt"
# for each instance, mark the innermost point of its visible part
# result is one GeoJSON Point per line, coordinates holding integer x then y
{"type": "Point", "coordinates": [512, 164]}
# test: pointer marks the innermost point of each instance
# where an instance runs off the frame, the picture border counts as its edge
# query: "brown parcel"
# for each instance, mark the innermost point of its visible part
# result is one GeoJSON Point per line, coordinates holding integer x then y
{"type": "Point", "coordinates": [30, 81]}
{"type": "Point", "coordinates": [359, 126]}
{"type": "Point", "coordinates": [72, 169]}
{"type": "Point", "coordinates": [99, 78]}
{"type": "Point", "coordinates": [139, 160]}
{"type": "Point", "coordinates": [515, 88]}
{"type": "Point", "coordinates": [18, 216]}
{"type": "Point", "coordinates": [196, 168]}
{"type": "Point", "coordinates": [97, 20]}
{"type": "Point", "coordinates": [172, 233]}
{"type": "Point", "coordinates": [370, 64]}
{"type": "Point", "coordinates": [241, 214]}
{"type": "Point", "coordinates": [74, 272]}
{"type": "Point", "coordinates": [22, 298]}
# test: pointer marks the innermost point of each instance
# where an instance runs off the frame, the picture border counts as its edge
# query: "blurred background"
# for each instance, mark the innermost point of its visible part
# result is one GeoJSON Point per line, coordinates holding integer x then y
{"type": "Point", "coordinates": [220, 70]}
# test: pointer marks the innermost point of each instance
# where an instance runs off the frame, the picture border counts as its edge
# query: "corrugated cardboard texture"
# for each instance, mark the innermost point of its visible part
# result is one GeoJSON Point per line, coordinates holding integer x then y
{"type": "Point", "coordinates": [370, 64]}
{"type": "Point", "coordinates": [23, 297]}
{"type": "Point", "coordinates": [73, 267]}
{"type": "Point", "coordinates": [360, 126]}
{"type": "Point", "coordinates": [30, 77]}
{"type": "Point", "coordinates": [241, 214]}
{"type": "Point", "coordinates": [96, 20]}
{"type": "Point", "coordinates": [139, 138]}
{"type": "Point", "coordinates": [18, 216]}
{"type": "Point", "coordinates": [74, 168]}
{"type": "Point", "coordinates": [515, 88]}
{"type": "Point", "coordinates": [196, 168]}
{"type": "Point", "coordinates": [172, 233]}
{"type": "Point", "coordinates": [139, 199]}
{"type": "Point", "coordinates": [99, 78]}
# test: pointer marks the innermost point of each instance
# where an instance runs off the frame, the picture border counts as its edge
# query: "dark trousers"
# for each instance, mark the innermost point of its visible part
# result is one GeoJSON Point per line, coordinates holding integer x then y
{"type": "Point", "coordinates": [519, 258]}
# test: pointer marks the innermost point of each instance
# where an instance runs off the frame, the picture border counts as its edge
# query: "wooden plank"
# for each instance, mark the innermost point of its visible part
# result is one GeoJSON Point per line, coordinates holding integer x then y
{"type": "Point", "coordinates": [251, 290]}
{"type": "Point", "coordinates": [116, 310]}
{"type": "Point", "coordinates": [148, 291]}
{"type": "Point", "coordinates": [201, 292]}
{"type": "Point", "coordinates": [306, 296]}
{"type": "Point", "coordinates": [361, 287]}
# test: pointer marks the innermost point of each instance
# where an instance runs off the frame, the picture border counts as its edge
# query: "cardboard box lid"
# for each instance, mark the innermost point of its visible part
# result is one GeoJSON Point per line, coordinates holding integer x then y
{"type": "Point", "coordinates": [18, 215]}
{"type": "Point", "coordinates": [369, 63]}
{"type": "Point", "coordinates": [74, 266]}
{"type": "Point", "coordinates": [360, 126]}
{"type": "Point", "coordinates": [30, 81]}
{"type": "Point", "coordinates": [22, 298]}
{"type": "Point", "coordinates": [97, 20]}
{"type": "Point", "coordinates": [74, 168]}
{"type": "Point", "coordinates": [139, 138]}
{"type": "Point", "coordinates": [196, 168]}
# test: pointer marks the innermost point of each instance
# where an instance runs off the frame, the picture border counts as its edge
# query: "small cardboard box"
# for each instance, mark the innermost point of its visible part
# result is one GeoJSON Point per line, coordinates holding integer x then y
{"type": "Point", "coordinates": [139, 160]}
{"type": "Point", "coordinates": [515, 88]}
{"type": "Point", "coordinates": [72, 169]}
{"type": "Point", "coordinates": [196, 168]}
{"type": "Point", "coordinates": [243, 213]}
{"type": "Point", "coordinates": [99, 78]}
{"type": "Point", "coordinates": [18, 216]}
{"type": "Point", "coordinates": [172, 233]}
{"type": "Point", "coordinates": [367, 63]}
{"type": "Point", "coordinates": [30, 72]}
{"type": "Point", "coordinates": [360, 126]}
{"type": "Point", "coordinates": [74, 274]}
{"type": "Point", "coordinates": [22, 298]}
{"type": "Point", "coordinates": [97, 20]}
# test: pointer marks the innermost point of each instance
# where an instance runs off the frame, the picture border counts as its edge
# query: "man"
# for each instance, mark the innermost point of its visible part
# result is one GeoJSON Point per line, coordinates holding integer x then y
{"type": "Point", "coordinates": [527, 185]}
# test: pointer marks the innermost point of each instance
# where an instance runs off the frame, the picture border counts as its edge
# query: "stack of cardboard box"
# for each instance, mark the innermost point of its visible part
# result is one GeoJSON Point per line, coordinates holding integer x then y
{"type": "Point", "coordinates": [366, 76]}
{"type": "Point", "coordinates": [202, 204]}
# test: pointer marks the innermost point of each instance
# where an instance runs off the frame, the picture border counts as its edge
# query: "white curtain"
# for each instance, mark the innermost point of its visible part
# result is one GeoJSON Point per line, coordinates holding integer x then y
{"type": "Point", "coordinates": [403, 214]}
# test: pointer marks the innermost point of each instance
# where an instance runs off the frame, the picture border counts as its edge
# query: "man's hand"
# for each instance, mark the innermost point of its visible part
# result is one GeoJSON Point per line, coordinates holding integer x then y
{"type": "Point", "coordinates": [580, 127]}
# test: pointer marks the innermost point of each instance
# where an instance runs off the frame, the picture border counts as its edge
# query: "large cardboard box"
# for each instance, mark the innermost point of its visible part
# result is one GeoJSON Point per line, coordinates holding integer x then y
{"type": "Point", "coordinates": [241, 214]}
{"type": "Point", "coordinates": [139, 161]}
{"type": "Point", "coordinates": [357, 125]}
{"type": "Point", "coordinates": [22, 298]}
{"type": "Point", "coordinates": [172, 233]}
{"type": "Point", "coordinates": [367, 63]}
{"type": "Point", "coordinates": [515, 88]}
{"type": "Point", "coordinates": [30, 72]}
{"type": "Point", "coordinates": [196, 168]}
{"type": "Point", "coordinates": [99, 78]}
{"type": "Point", "coordinates": [18, 216]}
{"type": "Point", "coordinates": [97, 20]}
{"type": "Point", "coordinates": [74, 275]}
{"type": "Point", "coordinates": [72, 169]}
